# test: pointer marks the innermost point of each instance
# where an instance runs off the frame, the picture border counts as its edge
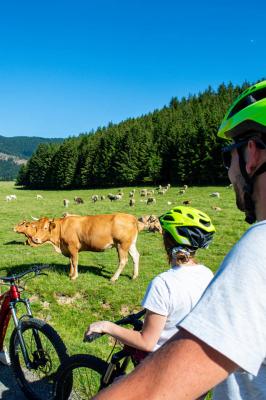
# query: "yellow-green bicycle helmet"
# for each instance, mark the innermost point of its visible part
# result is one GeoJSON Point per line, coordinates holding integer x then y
{"type": "Point", "coordinates": [247, 113]}
{"type": "Point", "coordinates": [188, 226]}
{"type": "Point", "coordinates": [246, 120]}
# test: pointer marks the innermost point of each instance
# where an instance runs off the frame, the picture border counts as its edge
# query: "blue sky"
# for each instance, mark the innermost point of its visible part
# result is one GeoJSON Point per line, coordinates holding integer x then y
{"type": "Point", "coordinates": [67, 67]}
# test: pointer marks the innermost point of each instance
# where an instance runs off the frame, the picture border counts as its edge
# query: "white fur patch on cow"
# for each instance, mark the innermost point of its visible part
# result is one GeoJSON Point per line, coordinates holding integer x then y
{"type": "Point", "coordinates": [108, 246]}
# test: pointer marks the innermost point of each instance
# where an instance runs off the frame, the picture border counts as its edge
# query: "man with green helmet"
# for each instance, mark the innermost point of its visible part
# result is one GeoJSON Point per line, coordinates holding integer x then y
{"type": "Point", "coordinates": [222, 342]}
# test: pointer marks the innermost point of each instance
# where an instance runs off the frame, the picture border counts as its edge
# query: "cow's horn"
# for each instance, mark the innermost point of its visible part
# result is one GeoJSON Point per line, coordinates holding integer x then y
{"type": "Point", "coordinates": [34, 219]}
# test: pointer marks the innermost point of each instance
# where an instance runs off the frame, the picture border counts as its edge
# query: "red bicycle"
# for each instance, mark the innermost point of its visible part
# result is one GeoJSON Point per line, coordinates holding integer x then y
{"type": "Point", "coordinates": [35, 348]}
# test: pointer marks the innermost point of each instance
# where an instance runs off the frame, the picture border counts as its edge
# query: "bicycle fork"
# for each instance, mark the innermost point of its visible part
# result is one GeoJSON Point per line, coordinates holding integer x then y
{"type": "Point", "coordinates": [114, 364]}
{"type": "Point", "coordinates": [17, 323]}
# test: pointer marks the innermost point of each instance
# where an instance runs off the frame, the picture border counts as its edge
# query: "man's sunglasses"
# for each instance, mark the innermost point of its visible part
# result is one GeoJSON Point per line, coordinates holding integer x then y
{"type": "Point", "coordinates": [227, 152]}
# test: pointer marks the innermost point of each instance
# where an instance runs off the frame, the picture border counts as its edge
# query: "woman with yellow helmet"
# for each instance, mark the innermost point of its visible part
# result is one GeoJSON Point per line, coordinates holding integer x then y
{"type": "Point", "coordinates": [171, 295]}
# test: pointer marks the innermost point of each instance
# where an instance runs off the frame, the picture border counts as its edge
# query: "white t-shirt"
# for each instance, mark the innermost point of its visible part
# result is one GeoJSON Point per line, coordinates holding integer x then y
{"type": "Point", "coordinates": [173, 294]}
{"type": "Point", "coordinates": [237, 299]}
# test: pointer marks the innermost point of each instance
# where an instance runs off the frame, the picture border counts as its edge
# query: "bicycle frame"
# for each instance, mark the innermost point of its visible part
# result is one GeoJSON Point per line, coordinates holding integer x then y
{"type": "Point", "coordinates": [8, 308]}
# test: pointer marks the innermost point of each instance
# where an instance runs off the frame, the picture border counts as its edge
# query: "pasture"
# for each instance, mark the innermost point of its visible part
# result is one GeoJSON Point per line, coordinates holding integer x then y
{"type": "Point", "coordinates": [71, 305]}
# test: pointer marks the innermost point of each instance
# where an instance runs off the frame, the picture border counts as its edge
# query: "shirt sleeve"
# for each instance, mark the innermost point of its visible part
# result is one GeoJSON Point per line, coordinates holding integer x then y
{"type": "Point", "coordinates": [157, 297]}
{"type": "Point", "coordinates": [231, 315]}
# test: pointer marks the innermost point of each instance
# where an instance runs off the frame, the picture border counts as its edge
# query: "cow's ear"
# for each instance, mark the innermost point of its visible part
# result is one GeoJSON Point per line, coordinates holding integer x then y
{"type": "Point", "coordinates": [52, 225]}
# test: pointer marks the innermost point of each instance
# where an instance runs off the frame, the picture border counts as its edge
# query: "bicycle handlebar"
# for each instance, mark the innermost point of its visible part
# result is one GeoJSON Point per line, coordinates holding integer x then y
{"type": "Point", "coordinates": [93, 336]}
{"type": "Point", "coordinates": [133, 319]}
{"type": "Point", "coordinates": [36, 269]}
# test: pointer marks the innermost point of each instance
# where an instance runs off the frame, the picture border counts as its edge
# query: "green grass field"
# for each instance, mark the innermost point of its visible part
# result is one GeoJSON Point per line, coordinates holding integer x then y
{"type": "Point", "coordinates": [70, 306]}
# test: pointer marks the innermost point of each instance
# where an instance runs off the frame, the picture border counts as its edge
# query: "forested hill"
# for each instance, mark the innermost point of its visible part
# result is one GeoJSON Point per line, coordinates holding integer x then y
{"type": "Point", "coordinates": [22, 146]}
{"type": "Point", "coordinates": [177, 144]}
{"type": "Point", "coordinates": [15, 151]}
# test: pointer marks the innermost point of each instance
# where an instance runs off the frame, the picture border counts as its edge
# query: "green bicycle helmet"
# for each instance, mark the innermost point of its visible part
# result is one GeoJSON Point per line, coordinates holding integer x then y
{"type": "Point", "coordinates": [247, 113]}
{"type": "Point", "coordinates": [188, 227]}
{"type": "Point", "coordinates": [246, 119]}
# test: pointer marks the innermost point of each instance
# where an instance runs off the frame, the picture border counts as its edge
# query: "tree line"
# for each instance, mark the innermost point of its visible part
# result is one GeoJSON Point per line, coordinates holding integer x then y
{"type": "Point", "coordinates": [177, 144]}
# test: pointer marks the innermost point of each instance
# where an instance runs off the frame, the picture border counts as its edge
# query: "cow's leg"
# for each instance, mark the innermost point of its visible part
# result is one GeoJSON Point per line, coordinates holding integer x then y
{"type": "Point", "coordinates": [135, 257]}
{"type": "Point", "coordinates": [71, 268]}
{"type": "Point", "coordinates": [73, 264]}
{"type": "Point", "coordinates": [123, 259]}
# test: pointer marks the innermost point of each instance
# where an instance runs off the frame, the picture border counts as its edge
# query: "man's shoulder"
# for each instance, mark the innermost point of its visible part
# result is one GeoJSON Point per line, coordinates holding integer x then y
{"type": "Point", "coordinates": [255, 233]}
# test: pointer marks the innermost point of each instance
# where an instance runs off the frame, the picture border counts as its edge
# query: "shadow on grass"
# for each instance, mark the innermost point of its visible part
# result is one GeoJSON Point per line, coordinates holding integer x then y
{"type": "Point", "coordinates": [14, 242]}
{"type": "Point", "coordinates": [62, 269]}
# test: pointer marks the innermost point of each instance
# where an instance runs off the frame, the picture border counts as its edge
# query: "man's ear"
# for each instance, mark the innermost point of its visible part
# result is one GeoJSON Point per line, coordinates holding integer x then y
{"type": "Point", "coordinates": [252, 156]}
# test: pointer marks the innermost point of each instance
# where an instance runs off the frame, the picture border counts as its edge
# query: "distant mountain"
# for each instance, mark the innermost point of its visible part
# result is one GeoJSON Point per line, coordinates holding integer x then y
{"type": "Point", "coordinates": [15, 151]}
{"type": "Point", "coordinates": [22, 146]}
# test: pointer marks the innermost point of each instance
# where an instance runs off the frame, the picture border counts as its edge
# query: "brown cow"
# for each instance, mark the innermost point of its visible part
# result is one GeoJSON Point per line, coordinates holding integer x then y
{"type": "Point", "coordinates": [73, 234]}
{"type": "Point", "coordinates": [29, 229]}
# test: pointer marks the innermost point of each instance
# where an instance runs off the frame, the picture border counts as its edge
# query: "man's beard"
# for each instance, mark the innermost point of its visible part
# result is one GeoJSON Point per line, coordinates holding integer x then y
{"type": "Point", "coordinates": [239, 185]}
{"type": "Point", "coordinates": [244, 199]}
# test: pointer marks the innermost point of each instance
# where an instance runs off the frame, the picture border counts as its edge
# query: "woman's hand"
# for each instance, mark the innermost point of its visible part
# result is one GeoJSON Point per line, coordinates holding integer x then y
{"type": "Point", "coordinates": [97, 327]}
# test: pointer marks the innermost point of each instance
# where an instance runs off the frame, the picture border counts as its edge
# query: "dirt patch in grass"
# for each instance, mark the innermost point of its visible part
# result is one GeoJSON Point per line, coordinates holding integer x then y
{"type": "Point", "coordinates": [63, 299]}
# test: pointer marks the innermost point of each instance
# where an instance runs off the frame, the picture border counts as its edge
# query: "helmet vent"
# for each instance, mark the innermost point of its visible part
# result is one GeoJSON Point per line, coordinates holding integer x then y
{"type": "Point", "coordinates": [205, 223]}
{"type": "Point", "coordinates": [168, 218]}
{"type": "Point", "coordinates": [190, 216]}
{"type": "Point", "coordinates": [247, 100]}
{"type": "Point", "coordinates": [177, 210]}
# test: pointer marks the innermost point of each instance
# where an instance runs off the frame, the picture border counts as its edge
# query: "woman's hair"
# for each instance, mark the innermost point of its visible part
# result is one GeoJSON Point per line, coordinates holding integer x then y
{"type": "Point", "coordinates": [180, 257]}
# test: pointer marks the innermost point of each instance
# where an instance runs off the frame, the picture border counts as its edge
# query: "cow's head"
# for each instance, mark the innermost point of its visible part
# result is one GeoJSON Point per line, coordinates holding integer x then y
{"type": "Point", "coordinates": [43, 231]}
{"type": "Point", "coordinates": [26, 227]}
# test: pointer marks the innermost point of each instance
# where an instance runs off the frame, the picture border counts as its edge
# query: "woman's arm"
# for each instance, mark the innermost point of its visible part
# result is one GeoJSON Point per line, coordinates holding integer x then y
{"type": "Point", "coordinates": [144, 340]}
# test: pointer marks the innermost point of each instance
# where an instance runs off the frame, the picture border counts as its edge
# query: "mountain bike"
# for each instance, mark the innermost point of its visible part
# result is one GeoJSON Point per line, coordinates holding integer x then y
{"type": "Point", "coordinates": [35, 349]}
{"type": "Point", "coordinates": [81, 376]}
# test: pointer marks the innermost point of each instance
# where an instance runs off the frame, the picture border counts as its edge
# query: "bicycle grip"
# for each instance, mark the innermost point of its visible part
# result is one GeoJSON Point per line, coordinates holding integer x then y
{"type": "Point", "coordinates": [92, 337]}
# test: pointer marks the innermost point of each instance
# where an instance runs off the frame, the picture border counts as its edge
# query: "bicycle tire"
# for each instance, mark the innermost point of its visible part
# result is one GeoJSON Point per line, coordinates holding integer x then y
{"type": "Point", "coordinates": [80, 377]}
{"type": "Point", "coordinates": [37, 382]}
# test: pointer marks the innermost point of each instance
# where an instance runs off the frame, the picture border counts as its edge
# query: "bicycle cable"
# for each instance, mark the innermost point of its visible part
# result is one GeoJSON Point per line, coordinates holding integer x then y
{"type": "Point", "coordinates": [110, 355]}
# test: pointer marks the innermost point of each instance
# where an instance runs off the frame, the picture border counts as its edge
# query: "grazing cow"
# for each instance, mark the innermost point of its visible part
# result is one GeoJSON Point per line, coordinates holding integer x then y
{"type": "Point", "coordinates": [215, 194]}
{"type": "Point", "coordinates": [132, 202]}
{"type": "Point", "coordinates": [39, 197]}
{"type": "Point", "coordinates": [114, 197]}
{"type": "Point", "coordinates": [70, 235]}
{"type": "Point", "coordinates": [151, 200]}
{"type": "Point", "coordinates": [162, 191]}
{"type": "Point", "coordinates": [187, 202]}
{"type": "Point", "coordinates": [78, 200]}
{"type": "Point", "coordinates": [215, 208]}
{"type": "Point", "coordinates": [102, 197]}
{"type": "Point", "coordinates": [95, 198]}
{"type": "Point", "coordinates": [8, 198]}
{"type": "Point", "coordinates": [143, 192]}
{"type": "Point", "coordinates": [66, 202]}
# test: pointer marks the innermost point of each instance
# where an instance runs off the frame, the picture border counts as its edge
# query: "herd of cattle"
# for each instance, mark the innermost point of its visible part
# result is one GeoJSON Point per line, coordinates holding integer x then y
{"type": "Point", "coordinates": [72, 234]}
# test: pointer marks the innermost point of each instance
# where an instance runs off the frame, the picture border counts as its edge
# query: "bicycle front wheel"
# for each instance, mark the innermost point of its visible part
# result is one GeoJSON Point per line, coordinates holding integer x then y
{"type": "Point", "coordinates": [80, 377]}
{"type": "Point", "coordinates": [46, 351]}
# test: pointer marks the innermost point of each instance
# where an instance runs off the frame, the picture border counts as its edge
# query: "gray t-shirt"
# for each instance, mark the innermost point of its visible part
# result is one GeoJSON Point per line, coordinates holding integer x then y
{"type": "Point", "coordinates": [173, 293]}
{"type": "Point", "coordinates": [237, 299]}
